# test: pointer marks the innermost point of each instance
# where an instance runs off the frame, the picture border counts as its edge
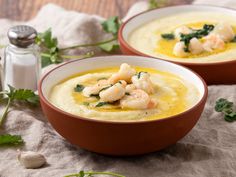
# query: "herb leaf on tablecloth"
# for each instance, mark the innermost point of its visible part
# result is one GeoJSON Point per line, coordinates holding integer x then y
{"type": "Point", "coordinates": [227, 108]}
{"type": "Point", "coordinates": [13, 94]}
{"type": "Point", "coordinates": [93, 173]}
{"type": "Point", "coordinates": [8, 139]}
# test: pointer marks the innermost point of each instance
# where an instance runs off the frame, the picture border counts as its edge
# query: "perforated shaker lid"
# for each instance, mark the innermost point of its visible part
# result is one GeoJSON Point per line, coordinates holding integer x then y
{"type": "Point", "coordinates": [22, 35]}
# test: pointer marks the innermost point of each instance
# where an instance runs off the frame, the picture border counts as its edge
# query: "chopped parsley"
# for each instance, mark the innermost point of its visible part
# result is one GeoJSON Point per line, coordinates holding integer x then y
{"type": "Point", "coordinates": [140, 73]}
{"type": "Point", "coordinates": [195, 34]}
{"type": "Point", "coordinates": [168, 36]}
{"type": "Point", "coordinates": [100, 104]}
{"type": "Point", "coordinates": [79, 88]}
{"type": "Point", "coordinates": [234, 39]}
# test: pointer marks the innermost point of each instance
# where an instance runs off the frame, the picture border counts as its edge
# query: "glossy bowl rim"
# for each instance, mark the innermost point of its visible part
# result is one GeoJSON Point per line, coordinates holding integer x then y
{"type": "Point", "coordinates": [45, 100]}
{"type": "Point", "coordinates": [130, 48]}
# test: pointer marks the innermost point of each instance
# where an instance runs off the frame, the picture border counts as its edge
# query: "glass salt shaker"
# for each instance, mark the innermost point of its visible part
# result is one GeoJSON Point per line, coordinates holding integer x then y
{"type": "Point", "coordinates": [21, 63]}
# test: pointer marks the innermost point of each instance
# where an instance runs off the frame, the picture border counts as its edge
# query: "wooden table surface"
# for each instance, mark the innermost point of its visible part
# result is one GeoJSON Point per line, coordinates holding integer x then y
{"type": "Point", "coordinates": [27, 9]}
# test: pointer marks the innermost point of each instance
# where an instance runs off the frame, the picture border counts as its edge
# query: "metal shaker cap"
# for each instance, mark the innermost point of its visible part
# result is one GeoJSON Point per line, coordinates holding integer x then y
{"type": "Point", "coordinates": [22, 35]}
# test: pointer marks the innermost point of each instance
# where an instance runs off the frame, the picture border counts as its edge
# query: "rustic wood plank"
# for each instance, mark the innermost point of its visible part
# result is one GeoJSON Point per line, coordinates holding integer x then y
{"type": "Point", "coordinates": [27, 9]}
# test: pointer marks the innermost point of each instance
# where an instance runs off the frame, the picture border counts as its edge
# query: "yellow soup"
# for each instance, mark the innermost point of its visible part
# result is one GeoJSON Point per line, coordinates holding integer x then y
{"type": "Point", "coordinates": [172, 94]}
{"type": "Point", "coordinates": [147, 38]}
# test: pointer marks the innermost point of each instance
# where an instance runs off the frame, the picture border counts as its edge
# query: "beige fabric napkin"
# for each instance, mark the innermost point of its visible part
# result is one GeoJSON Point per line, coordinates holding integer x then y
{"type": "Point", "coordinates": [209, 150]}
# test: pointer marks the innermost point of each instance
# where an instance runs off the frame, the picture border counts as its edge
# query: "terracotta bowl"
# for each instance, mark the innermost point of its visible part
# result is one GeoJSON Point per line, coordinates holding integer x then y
{"type": "Point", "coordinates": [213, 73]}
{"type": "Point", "coordinates": [120, 138]}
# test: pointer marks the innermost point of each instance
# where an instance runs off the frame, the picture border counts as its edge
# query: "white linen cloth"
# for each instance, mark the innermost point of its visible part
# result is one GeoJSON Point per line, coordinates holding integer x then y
{"type": "Point", "coordinates": [209, 150]}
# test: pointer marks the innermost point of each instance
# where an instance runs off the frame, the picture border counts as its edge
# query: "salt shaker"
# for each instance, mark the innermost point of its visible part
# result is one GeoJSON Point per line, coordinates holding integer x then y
{"type": "Point", "coordinates": [21, 64]}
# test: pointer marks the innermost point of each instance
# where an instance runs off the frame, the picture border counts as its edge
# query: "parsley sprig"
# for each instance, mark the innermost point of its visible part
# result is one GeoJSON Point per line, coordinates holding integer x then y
{"type": "Point", "coordinates": [10, 140]}
{"type": "Point", "coordinates": [196, 34]}
{"type": "Point", "coordinates": [12, 95]}
{"type": "Point", "coordinates": [227, 108]}
{"type": "Point", "coordinates": [51, 53]}
{"type": "Point", "coordinates": [92, 173]}
{"type": "Point", "coordinates": [153, 4]}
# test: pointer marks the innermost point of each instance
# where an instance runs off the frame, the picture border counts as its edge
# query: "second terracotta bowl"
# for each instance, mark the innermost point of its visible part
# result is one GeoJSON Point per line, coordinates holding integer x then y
{"type": "Point", "coordinates": [213, 73]}
{"type": "Point", "coordinates": [120, 138]}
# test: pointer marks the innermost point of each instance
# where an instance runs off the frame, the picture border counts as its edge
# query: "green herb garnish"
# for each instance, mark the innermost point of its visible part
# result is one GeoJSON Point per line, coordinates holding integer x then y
{"type": "Point", "coordinates": [168, 36]}
{"type": "Point", "coordinates": [195, 34]}
{"type": "Point", "coordinates": [234, 39]}
{"type": "Point", "coordinates": [140, 73]}
{"type": "Point", "coordinates": [86, 103]}
{"type": "Point", "coordinates": [105, 88]}
{"type": "Point", "coordinates": [23, 95]}
{"type": "Point", "coordinates": [79, 88]}
{"type": "Point", "coordinates": [8, 139]}
{"type": "Point", "coordinates": [51, 53]}
{"type": "Point", "coordinates": [92, 173]}
{"type": "Point", "coordinates": [101, 104]}
{"type": "Point", "coordinates": [126, 93]}
{"type": "Point", "coordinates": [153, 4]}
{"type": "Point", "coordinates": [95, 95]}
{"type": "Point", "coordinates": [227, 108]}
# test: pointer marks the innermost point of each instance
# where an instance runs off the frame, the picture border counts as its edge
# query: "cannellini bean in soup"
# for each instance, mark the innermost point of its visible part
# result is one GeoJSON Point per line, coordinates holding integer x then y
{"type": "Point", "coordinates": [113, 93]}
{"type": "Point", "coordinates": [137, 99]}
{"type": "Point", "coordinates": [142, 81]}
{"type": "Point", "coordinates": [213, 41]}
{"type": "Point", "coordinates": [195, 46]}
{"type": "Point", "coordinates": [225, 31]}
{"type": "Point", "coordinates": [125, 73]}
{"type": "Point", "coordinates": [179, 50]}
{"type": "Point", "coordinates": [182, 30]}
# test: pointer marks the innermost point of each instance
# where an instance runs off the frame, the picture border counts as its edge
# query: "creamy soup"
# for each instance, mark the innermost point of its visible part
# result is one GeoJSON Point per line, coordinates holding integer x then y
{"type": "Point", "coordinates": [124, 94]}
{"type": "Point", "coordinates": [188, 37]}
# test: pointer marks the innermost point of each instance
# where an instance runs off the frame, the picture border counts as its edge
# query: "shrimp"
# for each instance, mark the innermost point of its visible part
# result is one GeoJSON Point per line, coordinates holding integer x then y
{"type": "Point", "coordinates": [125, 73]}
{"type": "Point", "coordinates": [225, 31]}
{"type": "Point", "coordinates": [142, 81]}
{"type": "Point", "coordinates": [113, 93]}
{"type": "Point", "coordinates": [130, 87]}
{"type": "Point", "coordinates": [182, 30]}
{"type": "Point", "coordinates": [195, 46]}
{"type": "Point", "coordinates": [95, 89]}
{"type": "Point", "coordinates": [213, 41]}
{"type": "Point", "coordinates": [137, 99]}
{"type": "Point", "coordinates": [179, 50]}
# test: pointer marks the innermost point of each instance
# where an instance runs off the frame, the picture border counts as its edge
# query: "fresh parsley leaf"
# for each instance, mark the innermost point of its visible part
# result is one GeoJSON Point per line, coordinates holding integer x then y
{"type": "Point", "coordinates": [140, 73]}
{"type": "Point", "coordinates": [46, 40]}
{"type": "Point", "coordinates": [8, 139]}
{"type": "Point", "coordinates": [105, 88]}
{"type": "Point", "coordinates": [227, 108]}
{"type": "Point", "coordinates": [152, 4]}
{"type": "Point", "coordinates": [101, 104]}
{"type": "Point", "coordinates": [94, 173]}
{"type": "Point", "coordinates": [79, 88]}
{"type": "Point", "coordinates": [95, 95]}
{"type": "Point", "coordinates": [234, 39]}
{"type": "Point", "coordinates": [110, 47]}
{"type": "Point", "coordinates": [111, 25]}
{"type": "Point", "coordinates": [13, 94]}
{"type": "Point", "coordinates": [168, 36]}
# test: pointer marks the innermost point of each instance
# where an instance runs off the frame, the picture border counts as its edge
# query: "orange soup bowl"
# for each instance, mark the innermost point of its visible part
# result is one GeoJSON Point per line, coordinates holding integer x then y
{"type": "Point", "coordinates": [114, 137]}
{"type": "Point", "coordinates": [214, 72]}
